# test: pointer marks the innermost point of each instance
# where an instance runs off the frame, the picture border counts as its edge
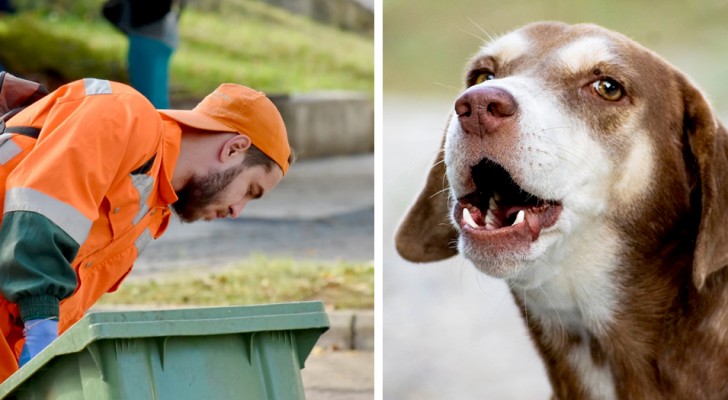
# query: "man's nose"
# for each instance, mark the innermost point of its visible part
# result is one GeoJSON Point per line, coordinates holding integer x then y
{"type": "Point", "coordinates": [237, 209]}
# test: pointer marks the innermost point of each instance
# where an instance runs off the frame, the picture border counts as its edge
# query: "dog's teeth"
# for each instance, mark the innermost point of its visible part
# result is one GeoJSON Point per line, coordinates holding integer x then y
{"type": "Point", "coordinates": [492, 206]}
{"type": "Point", "coordinates": [490, 220]}
{"type": "Point", "coordinates": [469, 218]}
{"type": "Point", "coordinates": [497, 196]}
{"type": "Point", "coordinates": [519, 218]}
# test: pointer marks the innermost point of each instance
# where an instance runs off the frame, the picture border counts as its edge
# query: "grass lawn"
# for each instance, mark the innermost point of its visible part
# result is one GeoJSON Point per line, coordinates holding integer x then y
{"type": "Point", "coordinates": [242, 41]}
{"type": "Point", "coordinates": [257, 280]}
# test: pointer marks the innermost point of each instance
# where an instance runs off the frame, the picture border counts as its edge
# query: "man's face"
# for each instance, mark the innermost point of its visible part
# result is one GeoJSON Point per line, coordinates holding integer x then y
{"type": "Point", "coordinates": [224, 193]}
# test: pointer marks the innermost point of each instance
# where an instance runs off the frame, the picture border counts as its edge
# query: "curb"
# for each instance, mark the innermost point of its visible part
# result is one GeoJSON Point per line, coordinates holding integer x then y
{"type": "Point", "coordinates": [327, 123]}
{"type": "Point", "coordinates": [351, 15]}
{"type": "Point", "coordinates": [349, 330]}
{"type": "Point", "coordinates": [321, 123]}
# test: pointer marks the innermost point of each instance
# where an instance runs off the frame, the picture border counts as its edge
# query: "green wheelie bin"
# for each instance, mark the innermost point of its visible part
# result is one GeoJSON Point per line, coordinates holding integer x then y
{"type": "Point", "coordinates": [220, 353]}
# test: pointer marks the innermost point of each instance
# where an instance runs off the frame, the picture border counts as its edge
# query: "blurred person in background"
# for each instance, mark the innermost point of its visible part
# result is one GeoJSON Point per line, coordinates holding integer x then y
{"type": "Point", "coordinates": [152, 29]}
{"type": "Point", "coordinates": [6, 7]}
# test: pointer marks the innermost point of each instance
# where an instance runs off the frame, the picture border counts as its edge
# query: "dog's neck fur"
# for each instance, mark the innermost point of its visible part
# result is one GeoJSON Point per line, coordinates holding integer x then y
{"type": "Point", "coordinates": [607, 326]}
{"type": "Point", "coordinates": [568, 303]}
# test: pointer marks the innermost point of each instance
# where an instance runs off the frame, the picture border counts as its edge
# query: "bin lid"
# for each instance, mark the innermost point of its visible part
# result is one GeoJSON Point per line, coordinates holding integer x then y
{"type": "Point", "coordinates": [181, 322]}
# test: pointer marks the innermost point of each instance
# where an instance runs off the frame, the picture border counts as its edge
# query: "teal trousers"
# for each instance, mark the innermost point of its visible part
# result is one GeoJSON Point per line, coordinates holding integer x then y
{"type": "Point", "coordinates": [148, 62]}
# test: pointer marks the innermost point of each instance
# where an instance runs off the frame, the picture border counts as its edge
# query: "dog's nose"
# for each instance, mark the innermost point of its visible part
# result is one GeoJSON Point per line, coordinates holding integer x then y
{"type": "Point", "coordinates": [484, 110]}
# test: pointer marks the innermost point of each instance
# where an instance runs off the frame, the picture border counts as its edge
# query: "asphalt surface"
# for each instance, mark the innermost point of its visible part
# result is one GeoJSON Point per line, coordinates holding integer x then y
{"type": "Point", "coordinates": [449, 331]}
{"type": "Point", "coordinates": [322, 210]}
{"type": "Point", "coordinates": [339, 375]}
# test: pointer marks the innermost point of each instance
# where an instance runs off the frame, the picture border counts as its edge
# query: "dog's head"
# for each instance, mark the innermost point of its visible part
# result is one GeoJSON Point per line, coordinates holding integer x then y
{"type": "Point", "coordinates": [564, 130]}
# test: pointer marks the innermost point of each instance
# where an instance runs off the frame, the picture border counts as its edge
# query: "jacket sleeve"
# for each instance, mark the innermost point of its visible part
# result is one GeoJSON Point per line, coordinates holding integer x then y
{"type": "Point", "coordinates": [52, 197]}
{"type": "Point", "coordinates": [34, 268]}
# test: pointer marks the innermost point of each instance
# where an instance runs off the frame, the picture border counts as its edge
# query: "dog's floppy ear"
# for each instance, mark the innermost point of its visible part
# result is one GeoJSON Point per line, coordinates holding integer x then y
{"type": "Point", "coordinates": [425, 234]}
{"type": "Point", "coordinates": [708, 143]}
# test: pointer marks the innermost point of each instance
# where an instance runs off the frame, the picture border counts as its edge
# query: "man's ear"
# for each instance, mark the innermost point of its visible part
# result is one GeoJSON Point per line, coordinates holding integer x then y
{"type": "Point", "coordinates": [234, 147]}
{"type": "Point", "coordinates": [707, 146]}
{"type": "Point", "coordinates": [425, 234]}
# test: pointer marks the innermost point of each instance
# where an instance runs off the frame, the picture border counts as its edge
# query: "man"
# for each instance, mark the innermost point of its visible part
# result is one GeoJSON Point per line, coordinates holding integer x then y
{"type": "Point", "coordinates": [83, 199]}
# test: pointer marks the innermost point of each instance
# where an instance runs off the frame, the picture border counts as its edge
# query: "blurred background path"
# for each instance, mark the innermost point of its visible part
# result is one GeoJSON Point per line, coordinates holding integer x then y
{"type": "Point", "coordinates": [322, 210]}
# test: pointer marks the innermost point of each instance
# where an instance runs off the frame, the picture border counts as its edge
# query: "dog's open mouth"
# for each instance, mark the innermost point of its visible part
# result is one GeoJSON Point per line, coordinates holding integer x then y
{"type": "Point", "coordinates": [500, 209]}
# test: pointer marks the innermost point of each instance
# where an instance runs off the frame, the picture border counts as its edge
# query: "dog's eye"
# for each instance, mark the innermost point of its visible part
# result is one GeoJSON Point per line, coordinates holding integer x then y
{"type": "Point", "coordinates": [608, 89]}
{"type": "Point", "coordinates": [484, 76]}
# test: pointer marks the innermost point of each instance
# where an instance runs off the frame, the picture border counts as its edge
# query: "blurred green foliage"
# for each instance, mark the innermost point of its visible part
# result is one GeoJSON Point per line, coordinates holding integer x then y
{"type": "Point", "coordinates": [83, 9]}
{"type": "Point", "coordinates": [426, 44]}
{"type": "Point", "coordinates": [242, 41]}
{"type": "Point", "coordinates": [256, 280]}
{"type": "Point", "coordinates": [58, 55]}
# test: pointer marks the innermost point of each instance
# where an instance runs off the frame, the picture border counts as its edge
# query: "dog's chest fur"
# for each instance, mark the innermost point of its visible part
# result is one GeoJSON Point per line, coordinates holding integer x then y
{"type": "Point", "coordinates": [608, 332]}
{"type": "Point", "coordinates": [570, 301]}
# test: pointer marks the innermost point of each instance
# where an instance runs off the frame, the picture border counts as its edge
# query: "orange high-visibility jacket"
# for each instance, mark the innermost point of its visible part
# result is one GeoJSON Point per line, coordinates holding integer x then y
{"type": "Point", "coordinates": [80, 202]}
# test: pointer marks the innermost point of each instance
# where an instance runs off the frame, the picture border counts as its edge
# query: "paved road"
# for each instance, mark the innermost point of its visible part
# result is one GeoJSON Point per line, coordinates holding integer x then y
{"type": "Point", "coordinates": [323, 209]}
{"type": "Point", "coordinates": [449, 332]}
{"type": "Point", "coordinates": [339, 375]}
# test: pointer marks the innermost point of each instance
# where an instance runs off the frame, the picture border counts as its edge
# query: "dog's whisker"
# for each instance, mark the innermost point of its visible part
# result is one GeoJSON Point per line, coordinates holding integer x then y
{"type": "Point", "coordinates": [407, 169]}
{"type": "Point", "coordinates": [440, 192]}
{"type": "Point", "coordinates": [582, 164]}
{"type": "Point", "coordinates": [580, 161]}
{"type": "Point", "coordinates": [481, 29]}
{"type": "Point", "coordinates": [525, 304]}
{"type": "Point", "coordinates": [453, 88]}
{"type": "Point", "coordinates": [445, 187]}
{"type": "Point", "coordinates": [502, 301]}
{"type": "Point", "coordinates": [540, 92]}
{"type": "Point", "coordinates": [554, 128]}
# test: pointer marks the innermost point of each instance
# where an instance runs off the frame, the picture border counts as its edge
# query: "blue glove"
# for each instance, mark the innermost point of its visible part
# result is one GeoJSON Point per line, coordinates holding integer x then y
{"type": "Point", "coordinates": [39, 333]}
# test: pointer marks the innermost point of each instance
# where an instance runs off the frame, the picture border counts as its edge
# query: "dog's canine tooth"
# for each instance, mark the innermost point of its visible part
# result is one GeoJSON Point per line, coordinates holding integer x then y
{"type": "Point", "coordinates": [497, 196]}
{"type": "Point", "coordinates": [519, 218]}
{"type": "Point", "coordinates": [469, 218]}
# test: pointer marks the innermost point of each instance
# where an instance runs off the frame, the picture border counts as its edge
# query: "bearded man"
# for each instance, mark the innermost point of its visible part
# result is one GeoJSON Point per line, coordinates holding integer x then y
{"type": "Point", "coordinates": [89, 174]}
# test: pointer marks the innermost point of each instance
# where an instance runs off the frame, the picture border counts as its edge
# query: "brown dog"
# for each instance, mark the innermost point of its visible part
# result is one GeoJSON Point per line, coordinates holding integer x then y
{"type": "Point", "coordinates": [592, 176]}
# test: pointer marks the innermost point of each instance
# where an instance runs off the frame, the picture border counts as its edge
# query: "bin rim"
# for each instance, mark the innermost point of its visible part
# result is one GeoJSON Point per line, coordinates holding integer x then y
{"type": "Point", "coordinates": [218, 320]}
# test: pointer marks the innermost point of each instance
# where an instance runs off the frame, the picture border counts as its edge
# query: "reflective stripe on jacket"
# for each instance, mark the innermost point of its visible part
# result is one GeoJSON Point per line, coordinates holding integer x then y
{"type": "Point", "coordinates": [80, 202]}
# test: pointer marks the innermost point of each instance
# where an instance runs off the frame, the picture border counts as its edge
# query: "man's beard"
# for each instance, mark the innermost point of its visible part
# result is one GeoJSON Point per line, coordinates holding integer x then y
{"type": "Point", "coordinates": [201, 191]}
